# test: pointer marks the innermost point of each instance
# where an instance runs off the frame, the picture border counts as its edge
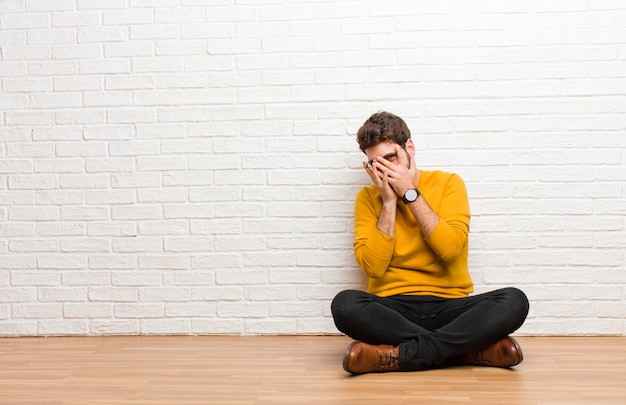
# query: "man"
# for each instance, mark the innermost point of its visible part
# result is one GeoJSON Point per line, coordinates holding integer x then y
{"type": "Point", "coordinates": [410, 237]}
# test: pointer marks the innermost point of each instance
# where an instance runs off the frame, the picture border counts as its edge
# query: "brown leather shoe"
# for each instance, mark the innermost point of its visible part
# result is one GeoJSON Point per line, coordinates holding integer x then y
{"type": "Point", "coordinates": [504, 353]}
{"type": "Point", "coordinates": [362, 358]}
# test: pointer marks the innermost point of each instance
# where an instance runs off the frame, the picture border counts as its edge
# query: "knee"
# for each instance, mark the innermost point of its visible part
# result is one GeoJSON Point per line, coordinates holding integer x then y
{"type": "Point", "coordinates": [518, 302]}
{"type": "Point", "coordinates": [343, 303]}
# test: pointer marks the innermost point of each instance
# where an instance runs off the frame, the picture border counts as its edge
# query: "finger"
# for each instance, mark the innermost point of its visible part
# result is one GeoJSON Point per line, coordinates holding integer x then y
{"type": "Point", "coordinates": [383, 162]}
{"type": "Point", "coordinates": [375, 174]}
{"type": "Point", "coordinates": [402, 156]}
{"type": "Point", "coordinates": [382, 171]}
{"type": "Point", "coordinates": [368, 171]}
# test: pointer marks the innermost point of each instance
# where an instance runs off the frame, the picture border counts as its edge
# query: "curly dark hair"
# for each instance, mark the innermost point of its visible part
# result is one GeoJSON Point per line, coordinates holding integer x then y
{"type": "Point", "coordinates": [381, 127]}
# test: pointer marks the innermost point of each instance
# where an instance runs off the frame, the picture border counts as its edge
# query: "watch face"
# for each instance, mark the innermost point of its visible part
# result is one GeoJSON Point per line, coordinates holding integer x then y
{"type": "Point", "coordinates": [411, 195]}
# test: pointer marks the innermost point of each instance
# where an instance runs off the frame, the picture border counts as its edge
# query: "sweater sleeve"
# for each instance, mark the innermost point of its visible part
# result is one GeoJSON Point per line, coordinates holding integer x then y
{"type": "Point", "coordinates": [373, 249]}
{"type": "Point", "coordinates": [450, 236]}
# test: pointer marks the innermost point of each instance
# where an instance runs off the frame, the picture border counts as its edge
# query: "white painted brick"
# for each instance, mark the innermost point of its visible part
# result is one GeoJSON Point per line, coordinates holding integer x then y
{"type": "Point", "coordinates": [184, 115]}
{"type": "Point", "coordinates": [51, 36]}
{"type": "Point", "coordinates": [170, 195]}
{"type": "Point", "coordinates": [4, 276]}
{"type": "Point", "coordinates": [219, 294]}
{"type": "Point", "coordinates": [344, 9]}
{"type": "Point", "coordinates": [110, 197]}
{"type": "Point", "coordinates": [165, 326]}
{"type": "Point", "coordinates": [275, 293]}
{"type": "Point", "coordinates": [18, 295]}
{"type": "Point", "coordinates": [83, 213]}
{"type": "Point", "coordinates": [85, 245]}
{"type": "Point", "coordinates": [34, 245]}
{"type": "Point", "coordinates": [95, 4]}
{"type": "Point", "coordinates": [137, 244]}
{"type": "Point", "coordinates": [111, 229]}
{"type": "Point", "coordinates": [243, 46]}
{"type": "Point", "coordinates": [87, 310]}
{"type": "Point", "coordinates": [216, 226]}
{"type": "Point", "coordinates": [112, 262]}
{"type": "Point", "coordinates": [31, 53]}
{"type": "Point", "coordinates": [270, 259]}
{"type": "Point", "coordinates": [129, 82]}
{"type": "Point", "coordinates": [217, 326]}
{"type": "Point", "coordinates": [594, 327]}
{"type": "Point", "coordinates": [16, 102]}
{"type": "Point", "coordinates": [71, 18]}
{"type": "Point", "coordinates": [36, 311]}
{"type": "Point", "coordinates": [78, 181]}
{"type": "Point", "coordinates": [75, 51]}
{"type": "Point", "coordinates": [202, 96]}
{"type": "Point", "coordinates": [316, 326]}
{"type": "Point", "coordinates": [33, 213]}
{"type": "Point", "coordinates": [154, 31]}
{"type": "Point", "coordinates": [216, 261]}
{"type": "Point", "coordinates": [242, 309]}
{"type": "Point", "coordinates": [102, 34]}
{"type": "Point", "coordinates": [62, 327]}
{"type": "Point", "coordinates": [80, 278]}
{"type": "Point", "coordinates": [200, 211]}
{"type": "Point", "coordinates": [136, 180]}
{"type": "Point", "coordinates": [139, 311]}
{"type": "Point", "coordinates": [163, 262]}
{"type": "Point", "coordinates": [189, 15]}
{"type": "Point", "coordinates": [169, 294]}
{"type": "Point", "coordinates": [197, 244]}
{"type": "Point", "coordinates": [116, 327]}
{"type": "Point", "coordinates": [80, 116]}
{"type": "Point", "coordinates": [192, 278]}
{"type": "Point", "coordinates": [110, 165]}
{"type": "Point", "coordinates": [185, 310]}
{"type": "Point", "coordinates": [29, 118]}
{"type": "Point", "coordinates": [162, 163]}
{"type": "Point", "coordinates": [136, 16]}
{"type": "Point", "coordinates": [113, 294]}
{"type": "Point", "coordinates": [179, 47]}
{"type": "Point", "coordinates": [160, 131]}
{"type": "Point", "coordinates": [16, 166]}
{"type": "Point", "coordinates": [74, 83]}
{"type": "Point", "coordinates": [265, 327]}
{"type": "Point", "coordinates": [136, 279]}
{"type": "Point", "coordinates": [131, 115]}
{"type": "Point", "coordinates": [60, 229]}
{"type": "Point", "coordinates": [62, 261]}
{"type": "Point", "coordinates": [170, 227]}
{"type": "Point", "coordinates": [136, 212]}
{"type": "Point", "coordinates": [241, 243]}
{"type": "Point", "coordinates": [25, 21]}
{"type": "Point", "coordinates": [240, 177]}
{"type": "Point", "coordinates": [18, 328]}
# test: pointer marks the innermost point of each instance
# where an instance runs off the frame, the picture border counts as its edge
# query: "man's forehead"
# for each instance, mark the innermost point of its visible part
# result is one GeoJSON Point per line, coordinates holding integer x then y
{"type": "Point", "coordinates": [381, 148]}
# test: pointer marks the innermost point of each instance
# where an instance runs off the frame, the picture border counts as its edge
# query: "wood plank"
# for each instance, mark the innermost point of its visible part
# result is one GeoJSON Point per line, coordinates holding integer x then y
{"type": "Point", "coordinates": [293, 370]}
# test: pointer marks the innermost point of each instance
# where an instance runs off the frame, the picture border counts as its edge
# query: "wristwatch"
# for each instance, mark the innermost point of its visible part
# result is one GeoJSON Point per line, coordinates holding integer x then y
{"type": "Point", "coordinates": [410, 195]}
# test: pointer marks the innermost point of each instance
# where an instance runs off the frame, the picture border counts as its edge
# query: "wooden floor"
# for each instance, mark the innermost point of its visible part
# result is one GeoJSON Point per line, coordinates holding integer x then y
{"type": "Point", "coordinates": [294, 370]}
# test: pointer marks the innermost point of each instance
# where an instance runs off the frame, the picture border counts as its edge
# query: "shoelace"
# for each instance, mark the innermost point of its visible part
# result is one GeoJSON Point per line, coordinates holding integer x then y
{"type": "Point", "coordinates": [386, 359]}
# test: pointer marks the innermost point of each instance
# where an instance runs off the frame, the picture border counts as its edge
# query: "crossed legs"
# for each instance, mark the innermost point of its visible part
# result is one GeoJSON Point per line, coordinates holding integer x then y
{"type": "Point", "coordinates": [430, 331]}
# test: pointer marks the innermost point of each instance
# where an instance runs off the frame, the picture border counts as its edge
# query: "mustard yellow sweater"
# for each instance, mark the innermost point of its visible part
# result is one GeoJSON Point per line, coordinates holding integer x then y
{"type": "Point", "coordinates": [408, 263]}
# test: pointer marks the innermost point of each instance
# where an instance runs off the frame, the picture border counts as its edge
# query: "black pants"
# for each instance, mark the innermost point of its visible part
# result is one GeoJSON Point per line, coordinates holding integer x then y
{"type": "Point", "coordinates": [430, 331]}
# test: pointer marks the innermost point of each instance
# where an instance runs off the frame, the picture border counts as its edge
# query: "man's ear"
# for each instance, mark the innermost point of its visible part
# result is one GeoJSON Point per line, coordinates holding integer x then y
{"type": "Point", "coordinates": [410, 147]}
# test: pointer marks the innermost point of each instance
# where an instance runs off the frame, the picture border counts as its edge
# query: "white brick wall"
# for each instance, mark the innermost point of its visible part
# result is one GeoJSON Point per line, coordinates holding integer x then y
{"type": "Point", "coordinates": [189, 166]}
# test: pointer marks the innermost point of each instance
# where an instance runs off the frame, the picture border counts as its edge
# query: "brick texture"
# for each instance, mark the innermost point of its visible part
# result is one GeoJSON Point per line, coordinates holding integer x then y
{"type": "Point", "coordinates": [189, 166]}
